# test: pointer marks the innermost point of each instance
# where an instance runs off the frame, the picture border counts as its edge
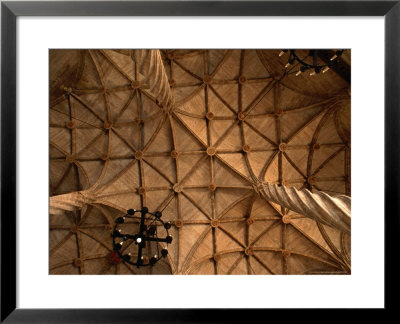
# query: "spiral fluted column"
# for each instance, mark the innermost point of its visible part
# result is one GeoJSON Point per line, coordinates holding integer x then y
{"type": "Point", "coordinates": [151, 66]}
{"type": "Point", "coordinates": [68, 202]}
{"type": "Point", "coordinates": [326, 209]}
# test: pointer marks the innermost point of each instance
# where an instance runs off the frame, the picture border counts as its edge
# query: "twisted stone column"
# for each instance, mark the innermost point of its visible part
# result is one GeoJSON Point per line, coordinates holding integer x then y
{"type": "Point", "coordinates": [323, 208]}
{"type": "Point", "coordinates": [151, 66]}
{"type": "Point", "coordinates": [68, 202]}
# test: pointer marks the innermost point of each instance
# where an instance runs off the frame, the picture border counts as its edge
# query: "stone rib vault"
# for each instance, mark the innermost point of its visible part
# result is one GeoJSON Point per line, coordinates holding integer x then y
{"type": "Point", "coordinates": [250, 164]}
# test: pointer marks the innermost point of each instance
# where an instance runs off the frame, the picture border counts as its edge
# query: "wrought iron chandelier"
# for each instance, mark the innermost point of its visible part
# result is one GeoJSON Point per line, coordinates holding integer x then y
{"type": "Point", "coordinates": [146, 235]}
{"type": "Point", "coordinates": [307, 64]}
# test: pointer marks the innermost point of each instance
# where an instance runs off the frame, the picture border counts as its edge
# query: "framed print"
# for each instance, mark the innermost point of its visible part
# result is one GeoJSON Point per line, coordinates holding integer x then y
{"type": "Point", "coordinates": [202, 145]}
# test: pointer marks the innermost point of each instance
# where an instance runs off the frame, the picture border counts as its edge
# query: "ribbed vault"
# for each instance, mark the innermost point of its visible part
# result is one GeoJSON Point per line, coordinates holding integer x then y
{"type": "Point", "coordinates": [193, 133]}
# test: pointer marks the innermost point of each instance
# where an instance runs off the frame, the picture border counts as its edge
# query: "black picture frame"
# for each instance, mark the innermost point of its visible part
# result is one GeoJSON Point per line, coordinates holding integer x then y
{"type": "Point", "coordinates": [10, 10]}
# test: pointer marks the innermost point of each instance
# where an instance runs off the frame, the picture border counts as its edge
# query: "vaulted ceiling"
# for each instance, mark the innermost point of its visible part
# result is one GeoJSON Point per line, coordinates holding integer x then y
{"type": "Point", "coordinates": [195, 150]}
